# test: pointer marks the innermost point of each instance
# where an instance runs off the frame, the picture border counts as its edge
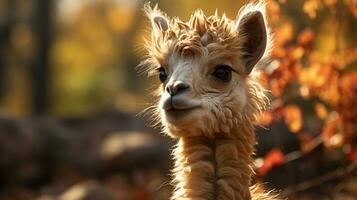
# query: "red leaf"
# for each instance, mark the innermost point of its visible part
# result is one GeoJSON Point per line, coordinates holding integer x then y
{"type": "Point", "coordinates": [273, 158]}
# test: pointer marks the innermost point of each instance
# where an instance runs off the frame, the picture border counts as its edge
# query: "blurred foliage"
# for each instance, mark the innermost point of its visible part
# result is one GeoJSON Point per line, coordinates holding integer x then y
{"type": "Point", "coordinates": [312, 76]}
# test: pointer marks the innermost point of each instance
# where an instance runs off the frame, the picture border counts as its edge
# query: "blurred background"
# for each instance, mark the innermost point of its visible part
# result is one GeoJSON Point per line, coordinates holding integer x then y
{"type": "Point", "coordinates": [70, 98]}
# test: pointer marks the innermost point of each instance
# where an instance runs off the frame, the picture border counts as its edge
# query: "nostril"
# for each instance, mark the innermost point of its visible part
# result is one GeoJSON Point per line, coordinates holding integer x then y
{"type": "Point", "coordinates": [181, 87]}
{"type": "Point", "coordinates": [168, 88]}
{"type": "Point", "coordinates": [176, 88]}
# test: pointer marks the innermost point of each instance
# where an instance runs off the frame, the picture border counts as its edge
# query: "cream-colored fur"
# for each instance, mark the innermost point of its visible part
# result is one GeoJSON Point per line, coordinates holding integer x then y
{"type": "Point", "coordinates": [213, 156]}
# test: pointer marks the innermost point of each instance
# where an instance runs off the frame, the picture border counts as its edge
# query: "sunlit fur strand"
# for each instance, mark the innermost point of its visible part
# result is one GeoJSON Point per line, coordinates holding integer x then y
{"type": "Point", "coordinates": [153, 115]}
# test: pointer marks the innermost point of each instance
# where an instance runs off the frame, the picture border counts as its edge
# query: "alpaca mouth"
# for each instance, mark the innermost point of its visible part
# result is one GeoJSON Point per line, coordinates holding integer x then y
{"type": "Point", "coordinates": [180, 110]}
{"type": "Point", "coordinates": [178, 113]}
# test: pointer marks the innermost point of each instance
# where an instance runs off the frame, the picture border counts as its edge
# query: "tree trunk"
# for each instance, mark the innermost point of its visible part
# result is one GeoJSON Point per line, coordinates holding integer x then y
{"type": "Point", "coordinates": [40, 68]}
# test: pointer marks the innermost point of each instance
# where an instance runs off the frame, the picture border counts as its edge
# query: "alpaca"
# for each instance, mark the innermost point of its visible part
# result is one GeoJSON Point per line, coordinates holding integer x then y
{"type": "Point", "coordinates": [209, 98]}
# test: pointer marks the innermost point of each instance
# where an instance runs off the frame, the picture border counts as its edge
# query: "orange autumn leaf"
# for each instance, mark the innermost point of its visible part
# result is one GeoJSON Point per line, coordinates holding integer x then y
{"type": "Point", "coordinates": [331, 127]}
{"type": "Point", "coordinates": [293, 117]}
{"type": "Point", "coordinates": [283, 34]}
{"type": "Point", "coordinates": [265, 118]}
{"type": "Point", "coordinates": [297, 53]}
{"type": "Point", "coordinates": [330, 92]}
{"type": "Point", "coordinates": [273, 8]}
{"type": "Point", "coordinates": [306, 38]}
{"type": "Point", "coordinates": [312, 76]}
{"type": "Point", "coordinates": [274, 157]}
{"type": "Point", "coordinates": [310, 7]}
{"type": "Point", "coordinates": [319, 79]}
{"type": "Point", "coordinates": [336, 140]}
{"type": "Point", "coordinates": [352, 5]}
{"type": "Point", "coordinates": [321, 110]}
{"type": "Point", "coordinates": [351, 153]}
{"type": "Point", "coordinates": [348, 104]}
{"type": "Point", "coordinates": [348, 88]}
{"type": "Point", "coordinates": [330, 2]}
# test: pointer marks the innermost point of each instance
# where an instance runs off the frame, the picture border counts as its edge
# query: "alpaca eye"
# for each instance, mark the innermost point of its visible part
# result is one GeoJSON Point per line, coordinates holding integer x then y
{"type": "Point", "coordinates": [162, 74]}
{"type": "Point", "coordinates": [223, 73]}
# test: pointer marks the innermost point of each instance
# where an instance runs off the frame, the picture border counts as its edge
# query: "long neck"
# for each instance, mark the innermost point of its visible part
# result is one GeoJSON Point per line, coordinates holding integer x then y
{"type": "Point", "coordinates": [214, 169]}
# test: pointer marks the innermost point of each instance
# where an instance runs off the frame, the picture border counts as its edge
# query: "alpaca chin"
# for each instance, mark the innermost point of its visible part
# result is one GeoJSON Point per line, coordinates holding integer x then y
{"type": "Point", "coordinates": [180, 132]}
{"type": "Point", "coordinates": [197, 123]}
{"type": "Point", "coordinates": [183, 127]}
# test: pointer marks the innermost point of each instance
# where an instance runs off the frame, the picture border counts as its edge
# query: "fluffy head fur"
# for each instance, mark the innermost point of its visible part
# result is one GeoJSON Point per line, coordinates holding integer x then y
{"type": "Point", "coordinates": [190, 51]}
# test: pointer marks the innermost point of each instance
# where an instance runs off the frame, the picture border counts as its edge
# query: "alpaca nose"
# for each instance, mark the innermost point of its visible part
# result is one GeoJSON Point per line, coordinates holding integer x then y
{"type": "Point", "coordinates": [177, 87]}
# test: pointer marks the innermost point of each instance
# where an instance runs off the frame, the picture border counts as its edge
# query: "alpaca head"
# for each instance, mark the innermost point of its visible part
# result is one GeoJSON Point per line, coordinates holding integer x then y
{"type": "Point", "coordinates": [205, 67]}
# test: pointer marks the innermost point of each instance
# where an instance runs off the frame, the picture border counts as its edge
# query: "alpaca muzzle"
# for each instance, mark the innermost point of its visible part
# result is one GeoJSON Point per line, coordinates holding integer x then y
{"type": "Point", "coordinates": [178, 102]}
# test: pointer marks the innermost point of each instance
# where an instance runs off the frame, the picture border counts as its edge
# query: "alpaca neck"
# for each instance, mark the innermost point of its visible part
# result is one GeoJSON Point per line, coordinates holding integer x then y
{"type": "Point", "coordinates": [212, 169]}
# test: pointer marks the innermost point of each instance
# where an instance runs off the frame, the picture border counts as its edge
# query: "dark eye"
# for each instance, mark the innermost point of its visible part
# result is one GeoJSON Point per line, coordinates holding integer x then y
{"type": "Point", "coordinates": [223, 73]}
{"type": "Point", "coordinates": [162, 74]}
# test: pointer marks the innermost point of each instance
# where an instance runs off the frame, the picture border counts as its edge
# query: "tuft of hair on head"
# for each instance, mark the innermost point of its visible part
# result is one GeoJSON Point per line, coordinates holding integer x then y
{"type": "Point", "coordinates": [252, 27]}
{"type": "Point", "coordinates": [249, 34]}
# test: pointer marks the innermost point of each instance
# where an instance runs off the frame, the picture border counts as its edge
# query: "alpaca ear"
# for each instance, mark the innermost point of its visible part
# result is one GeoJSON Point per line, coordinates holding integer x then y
{"type": "Point", "coordinates": [252, 30]}
{"type": "Point", "coordinates": [159, 23]}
